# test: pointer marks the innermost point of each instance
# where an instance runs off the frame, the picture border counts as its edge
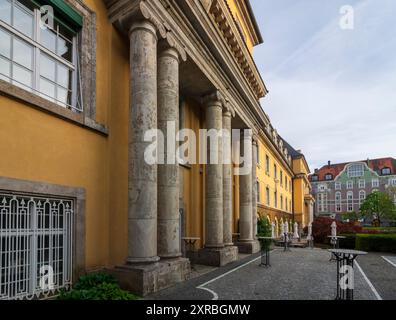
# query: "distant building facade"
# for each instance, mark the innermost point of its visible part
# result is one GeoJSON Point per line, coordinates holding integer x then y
{"type": "Point", "coordinates": [342, 188]}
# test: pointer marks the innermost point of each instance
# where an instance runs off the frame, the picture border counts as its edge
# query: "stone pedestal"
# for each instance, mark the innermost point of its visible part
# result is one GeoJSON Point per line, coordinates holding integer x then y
{"type": "Point", "coordinates": [216, 257]}
{"type": "Point", "coordinates": [249, 247]}
{"type": "Point", "coordinates": [150, 278]}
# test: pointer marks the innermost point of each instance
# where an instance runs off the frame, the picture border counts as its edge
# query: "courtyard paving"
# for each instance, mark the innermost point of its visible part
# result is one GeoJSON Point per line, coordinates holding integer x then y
{"type": "Point", "coordinates": [298, 274]}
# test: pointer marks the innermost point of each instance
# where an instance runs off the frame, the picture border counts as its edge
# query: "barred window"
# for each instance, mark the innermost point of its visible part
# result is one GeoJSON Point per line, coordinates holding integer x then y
{"type": "Point", "coordinates": [35, 241]}
{"type": "Point", "coordinates": [40, 58]}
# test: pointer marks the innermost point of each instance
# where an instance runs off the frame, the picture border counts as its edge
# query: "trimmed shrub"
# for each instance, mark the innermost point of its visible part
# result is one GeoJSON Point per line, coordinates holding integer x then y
{"type": "Point", "coordinates": [264, 228]}
{"type": "Point", "coordinates": [376, 242]}
{"type": "Point", "coordinates": [97, 286]}
{"type": "Point", "coordinates": [349, 242]}
{"type": "Point", "coordinates": [321, 229]}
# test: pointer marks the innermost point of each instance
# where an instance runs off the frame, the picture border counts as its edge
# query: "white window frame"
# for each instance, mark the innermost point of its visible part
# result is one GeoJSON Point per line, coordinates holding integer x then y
{"type": "Point", "coordinates": [375, 183]}
{"type": "Point", "coordinates": [392, 182]}
{"type": "Point", "coordinates": [350, 184]}
{"type": "Point", "coordinates": [350, 201]}
{"type": "Point", "coordinates": [38, 48]}
{"type": "Point", "coordinates": [362, 197]}
{"type": "Point", "coordinates": [355, 170]}
{"type": "Point", "coordinates": [338, 202]}
{"type": "Point", "coordinates": [338, 186]}
{"type": "Point", "coordinates": [362, 184]}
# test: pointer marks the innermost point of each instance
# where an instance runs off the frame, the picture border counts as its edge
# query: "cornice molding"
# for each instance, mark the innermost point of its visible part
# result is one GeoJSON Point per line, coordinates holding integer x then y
{"type": "Point", "coordinates": [225, 21]}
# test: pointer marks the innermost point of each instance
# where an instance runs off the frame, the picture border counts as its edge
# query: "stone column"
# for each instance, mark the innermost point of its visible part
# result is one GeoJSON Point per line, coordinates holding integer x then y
{"type": "Point", "coordinates": [254, 187]}
{"type": "Point", "coordinates": [227, 180]}
{"type": "Point", "coordinates": [142, 217]}
{"type": "Point", "coordinates": [168, 173]}
{"type": "Point", "coordinates": [214, 175]}
{"type": "Point", "coordinates": [215, 252]}
{"type": "Point", "coordinates": [246, 243]}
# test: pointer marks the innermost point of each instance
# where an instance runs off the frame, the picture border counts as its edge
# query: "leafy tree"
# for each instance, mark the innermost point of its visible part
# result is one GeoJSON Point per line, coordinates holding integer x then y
{"type": "Point", "coordinates": [378, 205]}
{"type": "Point", "coordinates": [264, 228]}
{"type": "Point", "coordinates": [350, 216]}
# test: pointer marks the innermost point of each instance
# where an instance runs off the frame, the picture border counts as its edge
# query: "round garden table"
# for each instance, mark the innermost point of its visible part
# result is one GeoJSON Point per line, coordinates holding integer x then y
{"type": "Point", "coordinates": [265, 243]}
{"type": "Point", "coordinates": [335, 241]}
{"type": "Point", "coordinates": [345, 273]}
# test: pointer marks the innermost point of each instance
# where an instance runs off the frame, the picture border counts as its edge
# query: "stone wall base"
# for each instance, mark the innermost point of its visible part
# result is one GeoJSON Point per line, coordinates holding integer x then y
{"type": "Point", "coordinates": [215, 257]}
{"type": "Point", "coordinates": [250, 247]}
{"type": "Point", "coordinates": [147, 279]}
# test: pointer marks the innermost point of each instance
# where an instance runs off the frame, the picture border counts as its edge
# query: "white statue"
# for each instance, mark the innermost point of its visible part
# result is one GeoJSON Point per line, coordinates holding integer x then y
{"type": "Point", "coordinates": [286, 227]}
{"type": "Point", "coordinates": [282, 231]}
{"type": "Point", "coordinates": [309, 237]}
{"type": "Point", "coordinates": [296, 235]}
{"type": "Point", "coordinates": [334, 229]}
{"type": "Point", "coordinates": [273, 230]}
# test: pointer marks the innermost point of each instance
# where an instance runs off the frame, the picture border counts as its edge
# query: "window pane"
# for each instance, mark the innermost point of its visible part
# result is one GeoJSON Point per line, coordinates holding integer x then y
{"type": "Point", "coordinates": [48, 39]}
{"type": "Point", "coordinates": [47, 67]}
{"type": "Point", "coordinates": [5, 43]}
{"type": "Point", "coordinates": [5, 69]}
{"type": "Point", "coordinates": [64, 76]}
{"type": "Point", "coordinates": [23, 21]}
{"type": "Point", "coordinates": [23, 76]}
{"type": "Point", "coordinates": [5, 11]}
{"type": "Point", "coordinates": [23, 53]}
{"type": "Point", "coordinates": [63, 96]}
{"type": "Point", "coordinates": [47, 88]}
{"type": "Point", "coordinates": [65, 49]}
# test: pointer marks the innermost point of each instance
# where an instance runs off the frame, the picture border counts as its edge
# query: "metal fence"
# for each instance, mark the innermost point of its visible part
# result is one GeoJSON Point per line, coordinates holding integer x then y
{"type": "Point", "coordinates": [35, 246]}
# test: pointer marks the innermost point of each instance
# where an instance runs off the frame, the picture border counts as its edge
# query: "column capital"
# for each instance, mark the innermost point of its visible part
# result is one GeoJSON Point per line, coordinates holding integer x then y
{"type": "Point", "coordinates": [164, 49]}
{"type": "Point", "coordinates": [213, 98]}
{"type": "Point", "coordinates": [143, 25]}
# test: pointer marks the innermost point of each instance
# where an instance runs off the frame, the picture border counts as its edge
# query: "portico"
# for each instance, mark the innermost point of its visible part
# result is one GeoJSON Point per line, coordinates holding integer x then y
{"type": "Point", "coordinates": [167, 65]}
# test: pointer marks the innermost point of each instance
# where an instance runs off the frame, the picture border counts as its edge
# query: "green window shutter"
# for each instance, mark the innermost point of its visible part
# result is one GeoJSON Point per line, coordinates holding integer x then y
{"type": "Point", "coordinates": [66, 12]}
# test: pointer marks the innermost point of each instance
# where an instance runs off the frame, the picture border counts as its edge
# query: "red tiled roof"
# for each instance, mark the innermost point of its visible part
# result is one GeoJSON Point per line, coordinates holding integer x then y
{"type": "Point", "coordinates": [375, 164]}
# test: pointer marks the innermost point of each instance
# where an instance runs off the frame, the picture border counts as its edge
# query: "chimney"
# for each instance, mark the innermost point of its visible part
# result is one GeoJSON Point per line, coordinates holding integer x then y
{"type": "Point", "coordinates": [316, 170]}
{"type": "Point", "coordinates": [368, 162]}
{"type": "Point", "coordinates": [329, 163]}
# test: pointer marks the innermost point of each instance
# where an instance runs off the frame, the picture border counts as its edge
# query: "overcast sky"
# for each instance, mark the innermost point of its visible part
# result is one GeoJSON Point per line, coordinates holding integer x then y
{"type": "Point", "coordinates": [332, 91]}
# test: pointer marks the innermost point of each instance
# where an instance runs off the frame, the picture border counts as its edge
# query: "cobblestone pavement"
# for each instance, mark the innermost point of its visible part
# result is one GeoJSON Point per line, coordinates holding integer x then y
{"type": "Point", "coordinates": [299, 274]}
{"type": "Point", "coordinates": [382, 273]}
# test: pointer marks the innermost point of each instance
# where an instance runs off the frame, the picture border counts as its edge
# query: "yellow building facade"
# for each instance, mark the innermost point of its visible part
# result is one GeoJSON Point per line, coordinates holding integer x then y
{"type": "Point", "coordinates": [76, 152]}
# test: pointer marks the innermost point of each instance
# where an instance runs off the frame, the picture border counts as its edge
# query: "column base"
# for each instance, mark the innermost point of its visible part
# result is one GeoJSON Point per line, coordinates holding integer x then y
{"type": "Point", "coordinates": [149, 278]}
{"type": "Point", "coordinates": [215, 257]}
{"type": "Point", "coordinates": [248, 247]}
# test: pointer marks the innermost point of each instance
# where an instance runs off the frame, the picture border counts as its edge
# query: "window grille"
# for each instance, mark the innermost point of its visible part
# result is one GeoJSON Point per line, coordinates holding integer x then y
{"type": "Point", "coordinates": [35, 242]}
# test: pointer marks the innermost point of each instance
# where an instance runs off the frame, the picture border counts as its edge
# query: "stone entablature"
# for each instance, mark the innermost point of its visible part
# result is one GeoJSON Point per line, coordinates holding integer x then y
{"type": "Point", "coordinates": [226, 23]}
{"type": "Point", "coordinates": [177, 20]}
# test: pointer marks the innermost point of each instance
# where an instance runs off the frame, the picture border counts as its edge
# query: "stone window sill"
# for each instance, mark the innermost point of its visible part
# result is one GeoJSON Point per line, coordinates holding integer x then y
{"type": "Point", "coordinates": [35, 101]}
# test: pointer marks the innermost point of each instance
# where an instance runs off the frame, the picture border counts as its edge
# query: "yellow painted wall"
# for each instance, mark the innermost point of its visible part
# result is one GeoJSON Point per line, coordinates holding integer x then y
{"type": "Point", "coordinates": [237, 15]}
{"type": "Point", "coordinates": [268, 179]}
{"type": "Point", "coordinates": [38, 146]}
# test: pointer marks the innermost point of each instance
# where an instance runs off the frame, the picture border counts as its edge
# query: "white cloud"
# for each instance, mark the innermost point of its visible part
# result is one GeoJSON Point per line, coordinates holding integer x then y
{"type": "Point", "coordinates": [333, 95]}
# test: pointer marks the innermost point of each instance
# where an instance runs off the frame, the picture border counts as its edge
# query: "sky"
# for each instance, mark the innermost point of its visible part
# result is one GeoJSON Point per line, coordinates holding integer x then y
{"type": "Point", "coordinates": [332, 91]}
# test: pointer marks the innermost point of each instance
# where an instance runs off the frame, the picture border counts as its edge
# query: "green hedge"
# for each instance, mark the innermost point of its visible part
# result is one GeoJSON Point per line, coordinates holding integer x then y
{"type": "Point", "coordinates": [376, 242]}
{"type": "Point", "coordinates": [349, 242]}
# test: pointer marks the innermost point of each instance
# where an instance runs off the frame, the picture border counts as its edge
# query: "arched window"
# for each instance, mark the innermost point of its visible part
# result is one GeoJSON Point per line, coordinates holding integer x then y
{"type": "Point", "coordinates": [386, 171]}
